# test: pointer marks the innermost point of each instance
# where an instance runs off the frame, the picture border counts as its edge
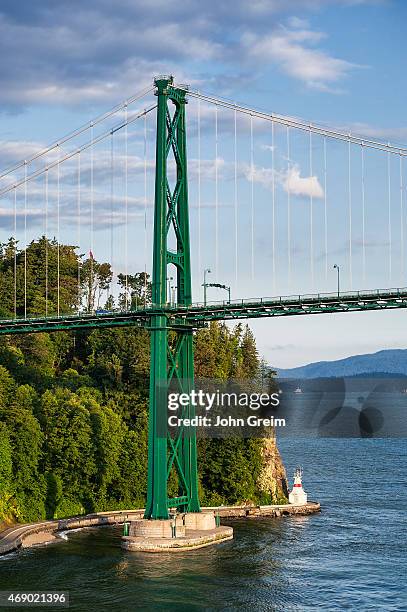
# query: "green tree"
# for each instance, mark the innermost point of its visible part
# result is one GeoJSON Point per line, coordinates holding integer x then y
{"type": "Point", "coordinates": [26, 439]}
{"type": "Point", "coordinates": [135, 290]}
{"type": "Point", "coordinates": [6, 473]}
{"type": "Point", "coordinates": [96, 279]}
{"type": "Point", "coordinates": [108, 435]}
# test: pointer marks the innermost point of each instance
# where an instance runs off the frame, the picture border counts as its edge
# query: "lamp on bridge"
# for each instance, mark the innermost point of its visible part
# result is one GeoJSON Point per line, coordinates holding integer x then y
{"type": "Point", "coordinates": [337, 269]}
{"type": "Point", "coordinates": [205, 284]}
{"type": "Point", "coordinates": [220, 286]}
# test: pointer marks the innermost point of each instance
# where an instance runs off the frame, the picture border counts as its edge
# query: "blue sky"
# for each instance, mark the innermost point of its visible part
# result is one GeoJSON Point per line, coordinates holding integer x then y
{"type": "Point", "coordinates": [333, 62]}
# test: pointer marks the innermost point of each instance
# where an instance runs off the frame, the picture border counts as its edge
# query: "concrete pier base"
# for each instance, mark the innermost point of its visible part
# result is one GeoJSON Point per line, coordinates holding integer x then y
{"type": "Point", "coordinates": [184, 532]}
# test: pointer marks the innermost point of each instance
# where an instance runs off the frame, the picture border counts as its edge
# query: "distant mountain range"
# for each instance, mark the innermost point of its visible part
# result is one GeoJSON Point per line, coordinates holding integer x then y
{"type": "Point", "coordinates": [387, 362]}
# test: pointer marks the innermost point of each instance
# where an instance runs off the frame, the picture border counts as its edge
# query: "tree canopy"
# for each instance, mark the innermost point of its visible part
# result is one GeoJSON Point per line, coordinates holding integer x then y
{"type": "Point", "coordinates": [74, 406]}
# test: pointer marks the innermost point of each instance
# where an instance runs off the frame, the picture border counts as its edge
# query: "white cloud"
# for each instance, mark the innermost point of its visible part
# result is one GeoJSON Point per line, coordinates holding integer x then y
{"type": "Point", "coordinates": [307, 186]}
{"type": "Point", "coordinates": [294, 54]}
{"type": "Point", "coordinates": [296, 22]}
{"type": "Point", "coordinates": [76, 53]}
{"type": "Point", "coordinates": [291, 180]}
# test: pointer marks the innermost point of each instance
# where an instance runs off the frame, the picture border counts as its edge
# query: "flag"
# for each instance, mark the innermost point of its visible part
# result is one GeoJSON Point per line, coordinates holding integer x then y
{"type": "Point", "coordinates": [91, 255]}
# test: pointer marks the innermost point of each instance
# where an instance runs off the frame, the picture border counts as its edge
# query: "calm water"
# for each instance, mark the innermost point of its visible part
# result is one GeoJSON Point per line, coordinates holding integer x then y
{"type": "Point", "coordinates": [351, 556]}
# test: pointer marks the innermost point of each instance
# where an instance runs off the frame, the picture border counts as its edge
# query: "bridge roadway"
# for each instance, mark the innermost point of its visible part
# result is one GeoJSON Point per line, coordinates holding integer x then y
{"type": "Point", "coordinates": [197, 315]}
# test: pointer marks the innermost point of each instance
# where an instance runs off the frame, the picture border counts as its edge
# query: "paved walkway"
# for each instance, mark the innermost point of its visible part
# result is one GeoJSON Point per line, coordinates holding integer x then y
{"type": "Point", "coordinates": [13, 537]}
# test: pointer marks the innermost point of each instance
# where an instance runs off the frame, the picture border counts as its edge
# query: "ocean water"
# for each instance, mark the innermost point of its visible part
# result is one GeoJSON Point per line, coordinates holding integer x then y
{"type": "Point", "coordinates": [351, 556]}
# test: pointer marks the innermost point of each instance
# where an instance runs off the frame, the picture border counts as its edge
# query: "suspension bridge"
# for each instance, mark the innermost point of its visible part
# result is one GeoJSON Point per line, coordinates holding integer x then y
{"type": "Point", "coordinates": [242, 206]}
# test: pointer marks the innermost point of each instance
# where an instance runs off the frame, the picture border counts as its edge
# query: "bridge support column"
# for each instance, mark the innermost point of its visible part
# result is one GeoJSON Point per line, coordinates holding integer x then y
{"type": "Point", "coordinates": [172, 364]}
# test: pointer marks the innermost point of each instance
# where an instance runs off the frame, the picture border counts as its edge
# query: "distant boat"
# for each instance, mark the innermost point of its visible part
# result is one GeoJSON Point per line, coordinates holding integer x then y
{"type": "Point", "coordinates": [298, 390]}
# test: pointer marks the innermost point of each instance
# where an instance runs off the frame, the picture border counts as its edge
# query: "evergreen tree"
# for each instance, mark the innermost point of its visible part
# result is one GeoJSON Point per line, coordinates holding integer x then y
{"type": "Point", "coordinates": [74, 406]}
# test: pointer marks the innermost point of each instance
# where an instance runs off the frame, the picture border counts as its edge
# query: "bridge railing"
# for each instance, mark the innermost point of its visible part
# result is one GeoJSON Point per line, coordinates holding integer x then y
{"type": "Point", "coordinates": [294, 299]}
{"type": "Point", "coordinates": [307, 297]}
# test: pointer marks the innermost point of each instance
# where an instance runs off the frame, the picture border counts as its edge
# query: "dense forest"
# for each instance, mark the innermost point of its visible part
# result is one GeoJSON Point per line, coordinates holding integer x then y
{"type": "Point", "coordinates": [74, 406]}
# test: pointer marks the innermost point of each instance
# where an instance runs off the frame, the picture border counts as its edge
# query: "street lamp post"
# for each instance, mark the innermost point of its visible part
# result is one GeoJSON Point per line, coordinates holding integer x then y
{"type": "Point", "coordinates": [337, 269]}
{"type": "Point", "coordinates": [206, 271]}
{"type": "Point", "coordinates": [219, 286]}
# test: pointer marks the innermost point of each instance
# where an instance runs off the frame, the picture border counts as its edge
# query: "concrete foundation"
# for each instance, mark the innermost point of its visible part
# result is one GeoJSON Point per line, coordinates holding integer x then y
{"type": "Point", "coordinates": [200, 520]}
{"type": "Point", "coordinates": [184, 532]}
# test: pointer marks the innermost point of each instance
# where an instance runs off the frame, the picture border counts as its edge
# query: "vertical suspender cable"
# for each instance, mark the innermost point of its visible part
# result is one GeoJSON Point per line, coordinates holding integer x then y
{"type": "Point", "coordinates": [145, 208]}
{"type": "Point", "coordinates": [311, 217]}
{"type": "Point", "coordinates": [91, 252]}
{"type": "Point", "coordinates": [126, 206]}
{"type": "Point", "coordinates": [325, 212]}
{"type": "Point", "coordinates": [389, 215]}
{"type": "Point", "coordinates": [199, 189]}
{"type": "Point", "coordinates": [288, 207]}
{"type": "Point", "coordinates": [350, 215]}
{"type": "Point", "coordinates": [111, 202]}
{"type": "Point", "coordinates": [25, 239]}
{"type": "Point", "coordinates": [273, 204]}
{"type": "Point", "coordinates": [235, 198]}
{"type": "Point", "coordinates": [46, 242]}
{"type": "Point", "coordinates": [252, 195]}
{"type": "Point", "coordinates": [401, 220]}
{"type": "Point", "coordinates": [216, 197]}
{"type": "Point", "coordinates": [79, 228]}
{"type": "Point", "coordinates": [363, 216]}
{"type": "Point", "coordinates": [91, 190]}
{"type": "Point", "coordinates": [15, 252]}
{"type": "Point", "coordinates": [59, 237]}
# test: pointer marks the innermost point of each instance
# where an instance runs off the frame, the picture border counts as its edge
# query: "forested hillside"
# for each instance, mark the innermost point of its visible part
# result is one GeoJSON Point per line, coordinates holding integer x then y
{"type": "Point", "coordinates": [74, 406]}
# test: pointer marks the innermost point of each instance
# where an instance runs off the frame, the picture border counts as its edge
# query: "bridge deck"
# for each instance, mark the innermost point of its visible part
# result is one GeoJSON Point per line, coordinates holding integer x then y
{"type": "Point", "coordinates": [198, 314]}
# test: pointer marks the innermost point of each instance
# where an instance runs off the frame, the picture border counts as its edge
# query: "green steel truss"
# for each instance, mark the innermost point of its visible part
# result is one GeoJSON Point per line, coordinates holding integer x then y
{"type": "Point", "coordinates": [172, 326]}
{"type": "Point", "coordinates": [198, 315]}
{"type": "Point", "coordinates": [171, 361]}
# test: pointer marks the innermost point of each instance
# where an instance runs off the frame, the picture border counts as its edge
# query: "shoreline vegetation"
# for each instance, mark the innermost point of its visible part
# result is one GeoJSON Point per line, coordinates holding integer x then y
{"type": "Point", "coordinates": [74, 405]}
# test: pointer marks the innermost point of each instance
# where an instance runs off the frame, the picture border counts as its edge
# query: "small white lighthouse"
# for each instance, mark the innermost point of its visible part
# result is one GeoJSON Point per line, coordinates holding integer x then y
{"type": "Point", "coordinates": [297, 496]}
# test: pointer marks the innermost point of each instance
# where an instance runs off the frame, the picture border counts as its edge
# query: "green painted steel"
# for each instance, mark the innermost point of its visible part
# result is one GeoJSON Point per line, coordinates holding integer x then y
{"type": "Point", "coordinates": [172, 326]}
{"type": "Point", "coordinates": [197, 315]}
{"type": "Point", "coordinates": [171, 361]}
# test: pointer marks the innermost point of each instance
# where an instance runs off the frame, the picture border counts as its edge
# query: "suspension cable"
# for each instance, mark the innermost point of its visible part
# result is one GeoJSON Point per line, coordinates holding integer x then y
{"type": "Point", "coordinates": [325, 211]}
{"type": "Point", "coordinates": [402, 217]}
{"type": "Point", "coordinates": [72, 154]}
{"type": "Point", "coordinates": [363, 216]}
{"type": "Point", "coordinates": [252, 195]}
{"type": "Point", "coordinates": [350, 214]}
{"type": "Point", "coordinates": [59, 238]}
{"type": "Point", "coordinates": [273, 210]}
{"type": "Point", "coordinates": [111, 204]}
{"type": "Point", "coordinates": [126, 211]}
{"type": "Point", "coordinates": [389, 215]}
{"type": "Point", "coordinates": [91, 192]}
{"type": "Point", "coordinates": [235, 196]}
{"type": "Point", "coordinates": [145, 209]}
{"type": "Point", "coordinates": [46, 243]}
{"type": "Point", "coordinates": [288, 207]}
{"type": "Point", "coordinates": [216, 197]}
{"type": "Point", "coordinates": [199, 189]}
{"type": "Point", "coordinates": [79, 228]}
{"type": "Point", "coordinates": [301, 124]}
{"type": "Point", "coordinates": [25, 240]}
{"type": "Point", "coordinates": [77, 132]}
{"type": "Point", "coordinates": [311, 202]}
{"type": "Point", "coordinates": [15, 253]}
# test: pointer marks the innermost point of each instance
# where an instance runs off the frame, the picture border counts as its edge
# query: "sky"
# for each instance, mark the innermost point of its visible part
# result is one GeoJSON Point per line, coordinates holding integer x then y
{"type": "Point", "coordinates": [335, 63]}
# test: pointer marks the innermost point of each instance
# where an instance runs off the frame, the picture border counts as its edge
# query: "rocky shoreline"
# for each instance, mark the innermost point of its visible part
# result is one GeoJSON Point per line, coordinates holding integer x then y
{"type": "Point", "coordinates": [24, 536]}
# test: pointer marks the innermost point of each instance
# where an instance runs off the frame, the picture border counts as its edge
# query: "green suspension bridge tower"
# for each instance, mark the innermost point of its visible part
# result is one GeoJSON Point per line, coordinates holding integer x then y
{"type": "Point", "coordinates": [172, 360]}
